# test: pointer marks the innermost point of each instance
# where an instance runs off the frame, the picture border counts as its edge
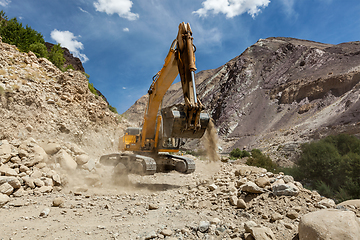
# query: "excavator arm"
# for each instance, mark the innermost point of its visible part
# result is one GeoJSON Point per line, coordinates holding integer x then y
{"type": "Point", "coordinates": [178, 121]}
{"type": "Point", "coordinates": [161, 83]}
{"type": "Point", "coordinates": [187, 68]}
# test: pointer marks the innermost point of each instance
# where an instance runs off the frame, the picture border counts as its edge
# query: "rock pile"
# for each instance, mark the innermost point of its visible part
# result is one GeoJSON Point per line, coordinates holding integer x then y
{"type": "Point", "coordinates": [263, 205]}
{"type": "Point", "coordinates": [38, 100]}
{"type": "Point", "coordinates": [239, 202]}
{"type": "Point", "coordinates": [30, 167]}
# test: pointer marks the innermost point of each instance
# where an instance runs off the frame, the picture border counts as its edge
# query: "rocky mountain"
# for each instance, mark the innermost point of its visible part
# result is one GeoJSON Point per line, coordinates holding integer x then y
{"type": "Point", "coordinates": [279, 93]}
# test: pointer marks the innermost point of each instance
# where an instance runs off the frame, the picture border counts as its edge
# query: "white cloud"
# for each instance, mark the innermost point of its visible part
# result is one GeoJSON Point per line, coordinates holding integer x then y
{"type": "Point", "coordinates": [121, 7]}
{"type": "Point", "coordinates": [232, 8]}
{"type": "Point", "coordinates": [4, 3]}
{"type": "Point", "coordinates": [84, 11]}
{"type": "Point", "coordinates": [68, 40]}
{"type": "Point", "coordinates": [126, 29]}
{"type": "Point", "coordinates": [207, 37]}
{"type": "Point", "coordinates": [288, 6]}
{"type": "Point", "coordinates": [124, 88]}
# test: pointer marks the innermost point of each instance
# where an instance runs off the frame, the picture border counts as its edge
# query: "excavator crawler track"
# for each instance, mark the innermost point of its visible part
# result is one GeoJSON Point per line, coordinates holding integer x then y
{"type": "Point", "coordinates": [148, 165]}
{"type": "Point", "coordinates": [134, 163]}
{"type": "Point", "coordinates": [167, 162]}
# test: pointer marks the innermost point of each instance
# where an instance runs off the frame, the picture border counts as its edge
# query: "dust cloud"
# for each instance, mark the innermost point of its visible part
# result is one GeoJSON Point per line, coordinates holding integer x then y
{"type": "Point", "coordinates": [210, 142]}
{"type": "Point", "coordinates": [104, 180]}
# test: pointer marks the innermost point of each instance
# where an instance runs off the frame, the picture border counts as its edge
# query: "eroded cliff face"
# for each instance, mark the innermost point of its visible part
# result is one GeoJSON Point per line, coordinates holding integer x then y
{"type": "Point", "coordinates": [281, 92]}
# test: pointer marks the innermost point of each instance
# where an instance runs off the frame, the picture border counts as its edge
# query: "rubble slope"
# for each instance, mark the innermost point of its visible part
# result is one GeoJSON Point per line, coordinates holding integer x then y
{"type": "Point", "coordinates": [40, 101]}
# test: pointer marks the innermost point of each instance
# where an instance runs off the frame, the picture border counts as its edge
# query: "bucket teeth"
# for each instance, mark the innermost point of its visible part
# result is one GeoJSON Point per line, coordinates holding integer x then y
{"type": "Point", "coordinates": [175, 123]}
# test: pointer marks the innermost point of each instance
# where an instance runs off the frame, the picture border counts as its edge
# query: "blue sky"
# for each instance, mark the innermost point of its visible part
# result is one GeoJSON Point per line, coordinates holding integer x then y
{"type": "Point", "coordinates": [123, 43]}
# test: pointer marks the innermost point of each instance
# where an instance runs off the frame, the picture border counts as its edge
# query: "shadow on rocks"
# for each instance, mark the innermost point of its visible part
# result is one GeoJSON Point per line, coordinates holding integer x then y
{"type": "Point", "coordinates": [156, 186]}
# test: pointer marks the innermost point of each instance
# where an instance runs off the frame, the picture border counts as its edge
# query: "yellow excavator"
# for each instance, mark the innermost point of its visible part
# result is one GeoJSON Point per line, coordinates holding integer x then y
{"type": "Point", "coordinates": [163, 129]}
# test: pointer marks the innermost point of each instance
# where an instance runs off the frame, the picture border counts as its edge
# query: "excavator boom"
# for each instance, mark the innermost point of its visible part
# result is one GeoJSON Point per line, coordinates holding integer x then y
{"type": "Point", "coordinates": [156, 93]}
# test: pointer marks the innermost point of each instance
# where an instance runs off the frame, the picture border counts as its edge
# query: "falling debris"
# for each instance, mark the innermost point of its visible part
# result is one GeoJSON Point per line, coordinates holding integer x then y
{"type": "Point", "coordinates": [211, 142]}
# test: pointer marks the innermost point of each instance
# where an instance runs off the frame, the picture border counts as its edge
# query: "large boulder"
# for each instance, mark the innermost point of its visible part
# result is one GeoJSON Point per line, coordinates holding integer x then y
{"type": "Point", "coordinates": [76, 149]}
{"type": "Point", "coordinates": [5, 147]}
{"type": "Point", "coordinates": [283, 189]}
{"type": "Point", "coordinates": [40, 154]}
{"type": "Point", "coordinates": [13, 181]}
{"type": "Point", "coordinates": [82, 159]}
{"type": "Point", "coordinates": [262, 181]}
{"type": "Point", "coordinates": [6, 188]}
{"type": "Point", "coordinates": [90, 165]}
{"type": "Point", "coordinates": [352, 202]}
{"type": "Point", "coordinates": [251, 187]}
{"type": "Point", "coordinates": [329, 224]}
{"type": "Point", "coordinates": [51, 148]}
{"type": "Point", "coordinates": [7, 171]}
{"type": "Point", "coordinates": [258, 232]}
{"type": "Point", "coordinates": [3, 199]}
{"type": "Point", "coordinates": [55, 177]}
{"type": "Point", "coordinates": [65, 160]}
{"type": "Point", "coordinates": [29, 181]}
{"type": "Point", "coordinates": [327, 202]}
{"type": "Point", "coordinates": [5, 151]}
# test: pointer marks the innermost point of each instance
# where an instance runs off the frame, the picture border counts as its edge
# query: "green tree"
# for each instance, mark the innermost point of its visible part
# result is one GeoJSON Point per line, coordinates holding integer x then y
{"type": "Point", "coordinates": [260, 160]}
{"type": "Point", "coordinates": [237, 153]}
{"type": "Point", "coordinates": [70, 66]}
{"type": "Point", "coordinates": [3, 15]}
{"type": "Point", "coordinates": [92, 89]}
{"type": "Point", "coordinates": [56, 56]}
{"type": "Point", "coordinates": [27, 39]}
{"type": "Point", "coordinates": [344, 143]}
{"type": "Point", "coordinates": [39, 49]}
{"type": "Point", "coordinates": [318, 161]}
{"type": "Point", "coordinates": [13, 32]}
{"type": "Point", "coordinates": [91, 85]}
{"type": "Point", "coordinates": [330, 165]}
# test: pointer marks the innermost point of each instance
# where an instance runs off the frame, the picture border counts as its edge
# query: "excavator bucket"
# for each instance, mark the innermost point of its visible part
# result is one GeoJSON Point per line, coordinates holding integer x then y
{"type": "Point", "coordinates": [175, 123]}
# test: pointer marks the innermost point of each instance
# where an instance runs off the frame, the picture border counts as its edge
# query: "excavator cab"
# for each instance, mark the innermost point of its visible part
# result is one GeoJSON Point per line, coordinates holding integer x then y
{"type": "Point", "coordinates": [131, 139]}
